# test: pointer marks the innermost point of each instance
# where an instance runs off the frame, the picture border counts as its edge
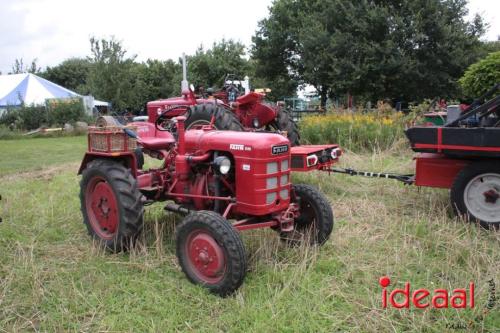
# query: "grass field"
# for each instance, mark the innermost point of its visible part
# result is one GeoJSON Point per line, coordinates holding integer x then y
{"type": "Point", "coordinates": [53, 278]}
{"type": "Point", "coordinates": [40, 153]}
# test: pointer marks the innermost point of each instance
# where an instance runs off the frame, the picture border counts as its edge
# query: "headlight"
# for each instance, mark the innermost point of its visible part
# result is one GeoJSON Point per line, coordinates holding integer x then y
{"type": "Point", "coordinates": [335, 153]}
{"type": "Point", "coordinates": [255, 123]}
{"type": "Point", "coordinates": [222, 164]}
{"type": "Point", "coordinates": [312, 160]}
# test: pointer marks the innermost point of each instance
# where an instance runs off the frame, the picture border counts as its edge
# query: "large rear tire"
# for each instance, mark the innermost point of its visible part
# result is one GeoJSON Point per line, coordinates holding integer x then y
{"type": "Point", "coordinates": [211, 252]}
{"type": "Point", "coordinates": [202, 114]}
{"type": "Point", "coordinates": [111, 204]}
{"type": "Point", "coordinates": [284, 122]}
{"type": "Point", "coordinates": [315, 222]}
{"type": "Point", "coordinates": [475, 194]}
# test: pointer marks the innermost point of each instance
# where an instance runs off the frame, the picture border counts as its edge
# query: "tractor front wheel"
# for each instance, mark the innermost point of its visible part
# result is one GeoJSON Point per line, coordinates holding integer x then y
{"type": "Point", "coordinates": [315, 222]}
{"type": "Point", "coordinates": [211, 253]}
{"type": "Point", "coordinates": [475, 194]}
{"type": "Point", "coordinates": [111, 204]}
{"type": "Point", "coordinates": [224, 119]}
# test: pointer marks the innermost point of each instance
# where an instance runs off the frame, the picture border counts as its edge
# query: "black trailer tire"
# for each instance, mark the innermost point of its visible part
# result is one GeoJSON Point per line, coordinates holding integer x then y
{"type": "Point", "coordinates": [475, 193]}
{"type": "Point", "coordinates": [111, 204]}
{"type": "Point", "coordinates": [211, 253]}
{"type": "Point", "coordinates": [201, 114]}
{"type": "Point", "coordinates": [284, 122]}
{"type": "Point", "coordinates": [315, 223]}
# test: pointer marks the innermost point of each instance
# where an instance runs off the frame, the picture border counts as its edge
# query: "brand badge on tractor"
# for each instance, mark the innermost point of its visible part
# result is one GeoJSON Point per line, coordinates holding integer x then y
{"type": "Point", "coordinates": [275, 150]}
{"type": "Point", "coordinates": [234, 146]}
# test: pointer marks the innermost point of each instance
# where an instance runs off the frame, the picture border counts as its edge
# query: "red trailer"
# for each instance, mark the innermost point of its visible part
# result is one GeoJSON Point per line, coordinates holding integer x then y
{"type": "Point", "coordinates": [463, 156]}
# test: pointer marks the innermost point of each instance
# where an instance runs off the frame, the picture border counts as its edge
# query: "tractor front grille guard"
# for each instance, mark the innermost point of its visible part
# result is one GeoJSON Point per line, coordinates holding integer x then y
{"type": "Point", "coordinates": [279, 182]}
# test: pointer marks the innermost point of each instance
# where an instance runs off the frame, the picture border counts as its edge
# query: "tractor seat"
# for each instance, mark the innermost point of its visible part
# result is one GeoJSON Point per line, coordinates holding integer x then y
{"type": "Point", "coordinates": [153, 143]}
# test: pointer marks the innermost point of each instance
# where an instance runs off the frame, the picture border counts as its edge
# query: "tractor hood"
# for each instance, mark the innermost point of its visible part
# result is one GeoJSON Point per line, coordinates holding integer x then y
{"type": "Point", "coordinates": [244, 144]}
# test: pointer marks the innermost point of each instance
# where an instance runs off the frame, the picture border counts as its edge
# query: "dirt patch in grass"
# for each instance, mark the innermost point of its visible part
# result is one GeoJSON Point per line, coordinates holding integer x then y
{"type": "Point", "coordinates": [44, 174]}
{"type": "Point", "coordinates": [37, 154]}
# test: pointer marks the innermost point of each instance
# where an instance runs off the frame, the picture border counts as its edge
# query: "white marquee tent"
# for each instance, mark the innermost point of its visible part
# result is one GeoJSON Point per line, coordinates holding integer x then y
{"type": "Point", "coordinates": [31, 89]}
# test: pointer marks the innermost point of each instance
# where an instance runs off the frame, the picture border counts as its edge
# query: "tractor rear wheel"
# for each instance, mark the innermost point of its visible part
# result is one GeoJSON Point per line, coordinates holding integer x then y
{"type": "Point", "coordinates": [211, 252]}
{"type": "Point", "coordinates": [475, 194]}
{"type": "Point", "coordinates": [111, 204]}
{"type": "Point", "coordinates": [201, 114]}
{"type": "Point", "coordinates": [315, 222]}
{"type": "Point", "coordinates": [284, 122]}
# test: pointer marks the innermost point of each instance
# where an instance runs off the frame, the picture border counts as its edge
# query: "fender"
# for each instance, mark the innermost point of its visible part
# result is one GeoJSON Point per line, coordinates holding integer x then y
{"type": "Point", "coordinates": [127, 158]}
{"type": "Point", "coordinates": [250, 107]}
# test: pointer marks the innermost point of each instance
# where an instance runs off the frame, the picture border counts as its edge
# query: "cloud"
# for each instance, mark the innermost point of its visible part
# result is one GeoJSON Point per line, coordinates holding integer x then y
{"type": "Point", "coordinates": [54, 30]}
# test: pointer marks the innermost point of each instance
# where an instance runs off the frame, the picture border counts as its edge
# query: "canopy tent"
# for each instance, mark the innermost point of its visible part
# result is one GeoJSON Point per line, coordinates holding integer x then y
{"type": "Point", "coordinates": [31, 89]}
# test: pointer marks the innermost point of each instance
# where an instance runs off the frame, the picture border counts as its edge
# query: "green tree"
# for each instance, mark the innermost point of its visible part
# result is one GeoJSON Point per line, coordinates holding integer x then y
{"type": "Point", "coordinates": [275, 48]}
{"type": "Point", "coordinates": [408, 49]}
{"type": "Point", "coordinates": [113, 76]}
{"type": "Point", "coordinates": [19, 67]}
{"type": "Point", "coordinates": [488, 47]}
{"type": "Point", "coordinates": [71, 73]}
{"type": "Point", "coordinates": [162, 78]}
{"type": "Point", "coordinates": [209, 67]}
{"type": "Point", "coordinates": [481, 76]}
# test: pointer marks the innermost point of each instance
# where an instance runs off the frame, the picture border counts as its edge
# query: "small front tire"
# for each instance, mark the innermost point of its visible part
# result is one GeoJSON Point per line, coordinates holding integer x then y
{"type": "Point", "coordinates": [211, 253]}
{"type": "Point", "coordinates": [315, 222]}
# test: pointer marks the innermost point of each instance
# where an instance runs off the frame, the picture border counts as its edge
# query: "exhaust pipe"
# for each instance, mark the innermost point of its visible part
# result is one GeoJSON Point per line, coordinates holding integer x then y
{"type": "Point", "coordinates": [184, 83]}
{"type": "Point", "coordinates": [172, 207]}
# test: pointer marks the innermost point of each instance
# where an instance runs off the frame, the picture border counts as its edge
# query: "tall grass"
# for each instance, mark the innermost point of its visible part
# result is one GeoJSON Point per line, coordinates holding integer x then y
{"type": "Point", "coordinates": [355, 131]}
{"type": "Point", "coordinates": [54, 278]}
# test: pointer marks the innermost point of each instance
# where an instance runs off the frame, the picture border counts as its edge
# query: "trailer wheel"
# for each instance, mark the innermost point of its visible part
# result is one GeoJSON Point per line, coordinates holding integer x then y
{"type": "Point", "coordinates": [201, 114]}
{"type": "Point", "coordinates": [111, 204]}
{"type": "Point", "coordinates": [315, 223]}
{"type": "Point", "coordinates": [475, 194]}
{"type": "Point", "coordinates": [211, 252]}
{"type": "Point", "coordinates": [284, 122]}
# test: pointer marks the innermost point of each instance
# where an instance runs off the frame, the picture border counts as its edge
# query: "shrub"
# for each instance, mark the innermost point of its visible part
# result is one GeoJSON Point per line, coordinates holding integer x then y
{"type": "Point", "coordinates": [481, 76]}
{"type": "Point", "coordinates": [354, 131]}
{"type": "Point", "coordinates": [55, 113]}
{"type": "Point", "coordinates": [65, 111]}
{"type": "Point", "coordinates": [24, 117]}
{"type": "Point", "coordinates": [7, 133]}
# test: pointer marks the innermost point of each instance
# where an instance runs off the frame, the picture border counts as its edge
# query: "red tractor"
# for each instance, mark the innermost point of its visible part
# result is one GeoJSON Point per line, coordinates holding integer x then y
{"type": "Point", "coordinates": [223, 181]}
{"type": "Point", "coordinates": [231, 108]}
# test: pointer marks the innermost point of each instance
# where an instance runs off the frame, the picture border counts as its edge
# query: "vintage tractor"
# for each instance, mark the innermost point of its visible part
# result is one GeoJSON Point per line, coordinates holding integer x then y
{"type": "Point", "coordinates": [223, 181]}
{"type": "Point", "coordinates": [232, 108]}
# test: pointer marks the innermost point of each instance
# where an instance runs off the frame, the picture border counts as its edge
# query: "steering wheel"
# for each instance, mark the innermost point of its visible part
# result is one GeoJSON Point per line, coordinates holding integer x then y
{"type": "Point", "coordinates": [232, 92]}
{"type": "Point", "coordinates": [164, 118]}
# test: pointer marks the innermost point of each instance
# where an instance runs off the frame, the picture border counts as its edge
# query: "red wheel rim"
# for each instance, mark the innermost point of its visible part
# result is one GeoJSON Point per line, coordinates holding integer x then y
{"type": "Point", "coordinates": [205, 257]}
{"type": "Point", "coordinates": [102, 208]}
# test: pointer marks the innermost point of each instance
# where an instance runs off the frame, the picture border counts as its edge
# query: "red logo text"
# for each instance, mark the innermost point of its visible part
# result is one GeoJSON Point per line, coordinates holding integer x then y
{"type": "Point", "coordinates": [422, 298]}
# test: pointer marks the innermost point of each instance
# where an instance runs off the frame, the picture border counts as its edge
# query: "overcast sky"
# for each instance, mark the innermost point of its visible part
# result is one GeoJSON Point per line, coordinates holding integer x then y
{"type": "Point", "coordinates": [54, 30]}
